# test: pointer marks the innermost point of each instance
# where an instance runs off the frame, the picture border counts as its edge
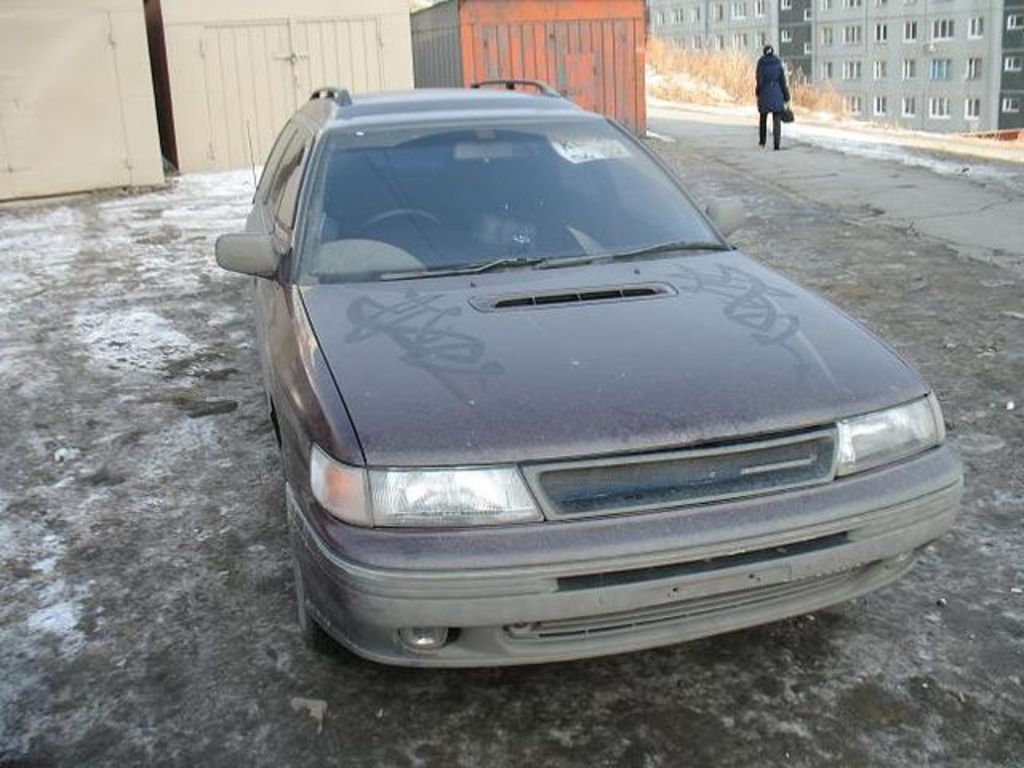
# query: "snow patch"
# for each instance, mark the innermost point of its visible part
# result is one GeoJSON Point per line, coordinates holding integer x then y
{"type": "Point", "coordinates": [136, 338]}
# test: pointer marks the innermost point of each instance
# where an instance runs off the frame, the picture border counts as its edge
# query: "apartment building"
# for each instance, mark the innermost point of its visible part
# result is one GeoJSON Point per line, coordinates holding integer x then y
{"type": "Point", "coordinates": [935, 65]}
{"type": "Point", "coordinates": [715, 25]}
{"type": "Point", "coordinates": [1011, 82]}
{"type": "Point", "coordinates": [921, 64]}
{"type": "Point", "coordinates": [796, 36]}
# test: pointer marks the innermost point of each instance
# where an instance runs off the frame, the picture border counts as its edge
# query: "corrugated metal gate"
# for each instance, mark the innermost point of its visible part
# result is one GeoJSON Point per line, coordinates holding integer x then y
{"type": "Point", "coordinates": [255, 75]}
{"type": "Point", "coordinates": [238, 70]}
{"type": "Point", "coordinates": [76, 106]}
{"type": "Point", "coordinates": [592, 51]}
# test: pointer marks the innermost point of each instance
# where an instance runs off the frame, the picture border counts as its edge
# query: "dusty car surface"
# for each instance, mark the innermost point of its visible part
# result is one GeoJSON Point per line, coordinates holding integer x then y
{"type": "Point", "coordinates": [532, 406]}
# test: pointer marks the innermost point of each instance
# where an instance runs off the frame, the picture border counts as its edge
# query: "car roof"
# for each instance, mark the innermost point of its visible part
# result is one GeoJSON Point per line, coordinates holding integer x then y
{"type": "Point", "coordinates": [336, 109]}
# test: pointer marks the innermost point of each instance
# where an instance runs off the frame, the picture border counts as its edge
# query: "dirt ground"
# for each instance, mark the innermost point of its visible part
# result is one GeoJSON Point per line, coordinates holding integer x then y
{"type": "Point", "coordinates": [147, 614]}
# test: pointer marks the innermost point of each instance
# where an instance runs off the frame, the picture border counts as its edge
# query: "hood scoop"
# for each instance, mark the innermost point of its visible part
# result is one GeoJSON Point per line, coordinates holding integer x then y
{"type": "Point", "coordinates": [565, 297]}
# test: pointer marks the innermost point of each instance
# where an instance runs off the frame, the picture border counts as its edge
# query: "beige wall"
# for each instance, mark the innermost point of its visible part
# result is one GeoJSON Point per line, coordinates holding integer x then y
{"type": "Point", "coordinates": [238, 70]}
{"type": "Point", "coordinates": [76, 97]}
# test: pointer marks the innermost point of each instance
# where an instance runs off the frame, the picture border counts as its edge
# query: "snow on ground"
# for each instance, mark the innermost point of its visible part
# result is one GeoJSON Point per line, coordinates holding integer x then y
{"type": "Point", "coordinates": [104, 297]}
{"type": "Point", "coordinates": [131, 339]}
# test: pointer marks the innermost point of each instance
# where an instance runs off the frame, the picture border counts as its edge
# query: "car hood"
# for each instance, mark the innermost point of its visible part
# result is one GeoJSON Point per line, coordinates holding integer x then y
{"type": "Point", "coordinates": [433, 374]}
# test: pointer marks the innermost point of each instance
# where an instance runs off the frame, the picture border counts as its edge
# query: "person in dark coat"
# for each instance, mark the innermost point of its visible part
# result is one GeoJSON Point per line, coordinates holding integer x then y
{"type": "Point", "coordinates": [772, 94]}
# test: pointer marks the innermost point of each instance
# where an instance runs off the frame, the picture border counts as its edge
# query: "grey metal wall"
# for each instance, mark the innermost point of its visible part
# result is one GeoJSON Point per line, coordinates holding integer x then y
{"type": "Point", "coordinates": [437, 47]}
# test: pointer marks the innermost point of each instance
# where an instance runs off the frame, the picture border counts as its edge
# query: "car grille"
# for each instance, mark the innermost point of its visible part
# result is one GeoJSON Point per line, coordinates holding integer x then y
{"type": "Point", "coordinates": [646, 482]}
{"type": "Point", "coordinates": [683, 610]}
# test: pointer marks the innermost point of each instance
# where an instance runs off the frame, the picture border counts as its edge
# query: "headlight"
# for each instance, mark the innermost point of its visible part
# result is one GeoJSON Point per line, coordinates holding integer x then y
{"type": "Point", "coordinates": [887, 436]}
{"type": "Point", "coordinates": [421, 497]}
{"type": "Point", "coordinates": [451, 497]}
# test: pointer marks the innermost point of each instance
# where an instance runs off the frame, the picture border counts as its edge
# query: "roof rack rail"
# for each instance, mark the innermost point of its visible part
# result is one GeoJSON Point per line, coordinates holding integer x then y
{"type": "Point", "coordinates": [340, 95]}
{"type": "Point", "coordinates": [511, 83]}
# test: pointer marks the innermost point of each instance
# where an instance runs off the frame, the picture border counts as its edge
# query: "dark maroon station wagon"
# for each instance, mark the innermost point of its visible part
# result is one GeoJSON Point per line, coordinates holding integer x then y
{"type": "Point", "coordinates": [532, 406]}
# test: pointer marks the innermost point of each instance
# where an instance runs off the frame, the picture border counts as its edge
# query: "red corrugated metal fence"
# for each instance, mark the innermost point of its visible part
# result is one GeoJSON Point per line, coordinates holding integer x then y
{"type": "Point", "coordinates": [592, 51]}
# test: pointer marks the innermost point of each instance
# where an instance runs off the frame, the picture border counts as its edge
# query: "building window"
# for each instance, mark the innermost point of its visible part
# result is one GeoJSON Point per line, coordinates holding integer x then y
{"type": "Point", "coordinates": [826, 70]}
{"type": "Point", "coordinates": [853, 105]}
{"type": "Point", "coordinates": [677, 16]}
{"type": "Point", "coordinates": [881, 70]}
{"type": "Point", "coordinates": [786, 5]}
{"type": "Point", "coordinates": [851, 70]}
{"type": "Point", "coordinates": [720, 42]}
{"type": "Point", "coordinates": [881, 33]}
{"type": "Point", "coordinates": [695, 14]}
{"type": "Point", "coordinates": [940, 69]}
{"type": "Point", "coordinates": [740, 40]}
{"type": "Point", "coordinates": [976, 27]}
{"type": "Point", "coordinates": [808, 49]}
{"type": "Point", "coordinates": [827, 37]}
{"type": "Point", "coordinates": [762, 39]}
{"type": "Point", "coordinates": [942, 29]}
{"type": "Point", "coordinates": [938, 108]}
{"type": "Point", "coordinates": [759, 8]}
{"type": "Point", "coordinates": [909, 71]}
{"type": "Point", "coordinates": [1011, 104]}
{"type": "Point", "coordinates": [659, 18]}
{"type": "Point", "coordinates": [698, 44]}
{"type": "Point", "coordinates": [807, 14]}
{"type": "Point", "coordinates": [853, 34]}
{"type": "Point", "coordinates": [853, 3]}
{"type": "Point", "coordinates": [973, 69]}
{"type": "Point", "coordinates": [909, 31]}
{"type": "Point", "coordinates": [881, 106]}
{"type": "Point", "coordinates": [786, 36]}
{"type": "Point", "coordinates": [909, 106]}
{"type": "Point", "coordinates": [1014, 21]}
{"type": "Point", "coordinates": [881, 3]}
{"type": "Point", "coordinates": [719, 11]}
{"type": "Point", "coordinates": [739, 10]}
{"type": "Point", "coordinates": [1013, 64]}
{"type": "Point", "coordinates": [972, 109]}
{"type": "Point", "coordinates": [826, 5]}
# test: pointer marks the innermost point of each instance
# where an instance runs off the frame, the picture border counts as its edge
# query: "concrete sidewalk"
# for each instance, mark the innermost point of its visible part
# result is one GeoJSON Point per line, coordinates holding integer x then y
{"type": "Point", "coordinates": [974, 205]}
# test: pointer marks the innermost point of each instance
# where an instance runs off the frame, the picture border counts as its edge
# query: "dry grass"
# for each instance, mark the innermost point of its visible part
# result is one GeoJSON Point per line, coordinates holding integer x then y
{"type": "Point", "coordinates": [723, 77]}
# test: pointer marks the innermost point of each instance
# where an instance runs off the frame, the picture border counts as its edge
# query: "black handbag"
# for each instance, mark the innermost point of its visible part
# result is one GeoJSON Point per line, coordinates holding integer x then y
{"type": "Point", "coordinates": [787, 115]}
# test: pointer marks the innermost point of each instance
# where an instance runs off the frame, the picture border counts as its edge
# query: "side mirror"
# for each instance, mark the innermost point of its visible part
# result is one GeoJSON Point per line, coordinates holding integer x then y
{"type": "Point", "coordinates": [727, 213]}
{"type": "Point", "coordinates": [247, 254]}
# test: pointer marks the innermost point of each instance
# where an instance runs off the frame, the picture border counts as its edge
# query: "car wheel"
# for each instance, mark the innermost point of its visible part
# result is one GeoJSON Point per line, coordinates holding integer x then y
{"type": "Point", "coordinates": [313, 635]}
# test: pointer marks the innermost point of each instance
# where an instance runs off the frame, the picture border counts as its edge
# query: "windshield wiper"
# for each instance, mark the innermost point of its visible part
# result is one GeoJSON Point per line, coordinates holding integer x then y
{"type": "Point", "coordinates": [649, 250]}
{"type": "Point", "coordinates": [508, 262]}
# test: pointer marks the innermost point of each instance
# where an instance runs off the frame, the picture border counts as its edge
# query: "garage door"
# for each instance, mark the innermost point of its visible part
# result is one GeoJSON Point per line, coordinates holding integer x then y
{"type": "Point", "coordinates": [76, 104]}
{"type": "Point", "coordinates": [255, 75]}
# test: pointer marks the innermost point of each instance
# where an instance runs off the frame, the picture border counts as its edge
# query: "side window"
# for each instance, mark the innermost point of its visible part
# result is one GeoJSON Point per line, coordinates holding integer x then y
{"type": "Point", "coordinates": [284, 187]}
{"type": "Point", "coordinates": [273, 161]}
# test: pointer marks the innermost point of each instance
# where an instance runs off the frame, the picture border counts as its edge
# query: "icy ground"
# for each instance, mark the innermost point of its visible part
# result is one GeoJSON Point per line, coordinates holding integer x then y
{"type": "Point", "coordinates": [146, 613]}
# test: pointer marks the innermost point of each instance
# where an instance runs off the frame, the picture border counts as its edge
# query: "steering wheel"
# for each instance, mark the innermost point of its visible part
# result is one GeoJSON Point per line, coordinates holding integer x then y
{"type": "Point", "coordinates": [416, 213]}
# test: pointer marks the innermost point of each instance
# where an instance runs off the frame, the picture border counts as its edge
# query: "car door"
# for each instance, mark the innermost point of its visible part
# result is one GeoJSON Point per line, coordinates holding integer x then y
{"type": "Point", "coordinates": [275, 303]}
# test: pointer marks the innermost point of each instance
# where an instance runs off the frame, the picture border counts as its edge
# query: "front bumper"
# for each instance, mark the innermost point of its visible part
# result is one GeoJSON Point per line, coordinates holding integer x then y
{"type": "Point", "coordinates": [557, 591]}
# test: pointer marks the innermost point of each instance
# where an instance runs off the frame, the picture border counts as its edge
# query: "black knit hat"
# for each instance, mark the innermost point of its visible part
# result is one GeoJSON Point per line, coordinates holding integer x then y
{"type": "Point", "coordinates": [768, 50]}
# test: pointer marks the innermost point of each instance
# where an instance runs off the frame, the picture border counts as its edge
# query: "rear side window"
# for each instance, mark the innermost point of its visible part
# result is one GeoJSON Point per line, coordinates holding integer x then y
{"type": "Point", "coordinates": [273, 161]}
{"type": "Point", "coordinates": [283, 189]}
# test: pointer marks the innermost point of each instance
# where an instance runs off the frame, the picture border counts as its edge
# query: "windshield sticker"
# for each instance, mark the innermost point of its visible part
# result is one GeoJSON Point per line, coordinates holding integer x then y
{"type": "Point", "coordinates": [589, 149]}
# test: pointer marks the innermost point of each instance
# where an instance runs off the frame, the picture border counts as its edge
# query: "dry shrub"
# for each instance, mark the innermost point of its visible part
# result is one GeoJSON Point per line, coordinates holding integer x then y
{"type": "Point", "coordinates": [717, 77]}
{"type": "Point", "coordinates": [815, 98]}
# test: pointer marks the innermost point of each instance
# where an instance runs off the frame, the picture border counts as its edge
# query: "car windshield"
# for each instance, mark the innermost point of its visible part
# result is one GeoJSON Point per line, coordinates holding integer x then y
{"type": "Point", "coordinates": [397, 202]}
